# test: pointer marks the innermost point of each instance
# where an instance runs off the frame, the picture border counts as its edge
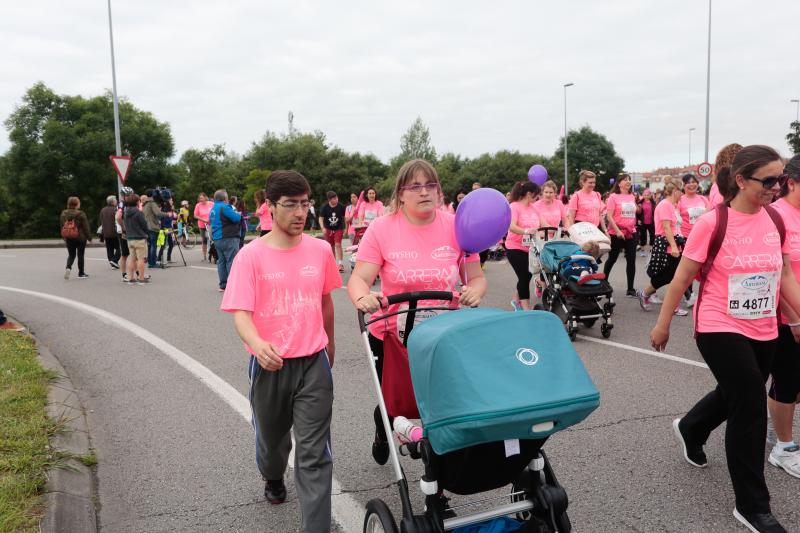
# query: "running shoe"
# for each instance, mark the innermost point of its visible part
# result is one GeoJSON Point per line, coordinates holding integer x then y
{"type": "Point", "coordinates": [654, 299]}
{"type": "Point", "coordinates": [83, 276]}
{"type": "Point", "coordinates": [516, 305]}
{"type": "Point", "coordinates": [693, 454]}
{"type": "Point", "coordinates": [67, 273]}
{"type": "Point", "coordinates": [759, 522]}
{"type": "Point", "coordinates": [114, 265]}
{"type": "Point", "coordinates": [275, 491]}
{"type": "Point", "coordinates": [692, 300]}
{"type": "Point", "coordinates": [786, 458]}
{"type": "Point", "coordinates": [644, 301]}
{"type": "Point", "coordinates": [680, 311]}
{"type": "Point", "coordinates": [380, 449]}
{"type": "Point", "coordinates": [631, 293]}
{"type": "Point", "coordinates": [124, 278]}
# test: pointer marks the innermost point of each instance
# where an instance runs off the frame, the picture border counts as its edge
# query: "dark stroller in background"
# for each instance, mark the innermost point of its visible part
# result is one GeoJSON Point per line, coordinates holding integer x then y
{"type": "Point", "coordinates": [490, 387]}
{"type": "Point", "coordinates": [559, 263]}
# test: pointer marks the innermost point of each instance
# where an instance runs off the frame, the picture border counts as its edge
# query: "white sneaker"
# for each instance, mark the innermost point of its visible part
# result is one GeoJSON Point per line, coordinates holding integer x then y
{"type": "Point", "coordinates": [67, 273]}
{"type": "Point", "coordinates": [654, 299]}
{"type": "Point", "coordinates": [644, 301]}
{"type": "Point", "coordinates": [692, 300]}
{"type": "Point", "coordinates": [680, 311]}
{"type": "Point", "coordinates": [786, 458]}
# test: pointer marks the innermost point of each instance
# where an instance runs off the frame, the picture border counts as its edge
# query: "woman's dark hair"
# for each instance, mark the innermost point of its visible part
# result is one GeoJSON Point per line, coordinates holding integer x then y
{"type": "Point", "coordinates": [792, 171]}
{"type": "Point", "coordinates": [241, 206]}
{"type": "Point", "coordinates": [455, 198]}
{"type": "Point", "coordinates": [286, 183]}
{"type": "Point", "coordinates": [745, 163]}
{"type": "Point", "coordinates": [260, 197]}
{"type": "Point", "coordinates": [623, 176]}
{"type": "Point", "coordinates": [521, 188]}
{"type": "Point", "coordinates": [689, 177]}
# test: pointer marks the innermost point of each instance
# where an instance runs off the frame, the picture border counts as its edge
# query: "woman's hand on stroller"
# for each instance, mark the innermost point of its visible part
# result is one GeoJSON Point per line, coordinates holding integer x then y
{"type": "Point", "coordinates": [470, 297]}
{"type": "Point", "coordinates": [659, 336]}
{"type": "Point", "coordinates": [369, 303]}
{"type": "Point", "coordinates": [268, 355]}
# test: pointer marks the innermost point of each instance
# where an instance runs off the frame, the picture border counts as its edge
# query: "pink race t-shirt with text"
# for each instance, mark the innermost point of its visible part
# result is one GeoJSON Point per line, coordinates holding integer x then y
{"type": "Point", "coordinates": [370, 212]}
{"type": "Point", "coordinates": [665, 210]}
{"type": "Point", "coordinates": [622, 208]}
{"type": "Point", "coordinates": [412, 258]}
{"type": "Point", "coordinates": [525, 217]}
{"type": "Point", "coordinates": [283, 289]}
{"type": "Point", "coordinates": [552, 213]}
{"type": "Point", "coordinates": [749, 260]}
{"type": "Point", "coordinates": [264, 217]}
{"type": "Point", "coordinates": [791, 219]}
{"type": "Point", "coordinates": [588, 206]}
{"type": "Point", "coordinates": [714, 197]}
{"type": "Point", "coordinates": [691, 208]}
{"type": "Point", "coordinates": [201, 211]}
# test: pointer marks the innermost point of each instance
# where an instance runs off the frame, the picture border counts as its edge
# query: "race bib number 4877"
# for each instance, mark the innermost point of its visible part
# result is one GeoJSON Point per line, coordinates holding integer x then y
{"type": "Point", "coordinates": [752, 296]}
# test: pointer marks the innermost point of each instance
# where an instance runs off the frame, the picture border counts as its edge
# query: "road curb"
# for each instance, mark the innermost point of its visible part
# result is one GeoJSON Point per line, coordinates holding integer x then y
{"type": "Point", "coordinates": [69, 496]}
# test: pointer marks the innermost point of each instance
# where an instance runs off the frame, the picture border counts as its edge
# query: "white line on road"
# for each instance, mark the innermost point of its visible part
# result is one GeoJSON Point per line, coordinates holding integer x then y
{"type": "Point", "coordinates": [4, 255]}
{"type": "Point", "coordinates": [651, 353]}
{"type": "Point", "coordinates": [203, 268]}
{"type": "Point", "coordinates": [346, 510]}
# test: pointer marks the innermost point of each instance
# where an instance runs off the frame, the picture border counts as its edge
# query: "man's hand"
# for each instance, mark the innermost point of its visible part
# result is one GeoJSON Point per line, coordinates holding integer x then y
{"type": "Point", "coordinates": [268, 355]}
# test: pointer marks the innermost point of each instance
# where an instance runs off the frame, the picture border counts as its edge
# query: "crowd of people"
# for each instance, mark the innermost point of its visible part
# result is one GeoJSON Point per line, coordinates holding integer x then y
{"type": "Point", "coordinates": [738, 242]}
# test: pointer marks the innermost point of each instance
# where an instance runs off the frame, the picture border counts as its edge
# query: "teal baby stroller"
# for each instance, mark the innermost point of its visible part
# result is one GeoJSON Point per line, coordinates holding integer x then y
{"type": "Point", "coordinates": [572, 288]}
{"type": "Point", "coordinates": [490, 387]}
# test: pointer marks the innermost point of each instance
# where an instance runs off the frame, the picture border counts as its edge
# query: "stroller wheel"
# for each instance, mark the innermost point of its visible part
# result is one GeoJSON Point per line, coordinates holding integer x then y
{"type": "Point", "coordinates": [379, 518]}
{"type": "Point", "coordinates": [605, 330]}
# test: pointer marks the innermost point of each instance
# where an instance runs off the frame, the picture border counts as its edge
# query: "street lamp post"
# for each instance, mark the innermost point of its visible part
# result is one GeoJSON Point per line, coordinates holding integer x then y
{"type": "Point", "coordinates": [708, 78]}
{"type": "Point", "coordinates": [796, 101]}
{"type": "Point", "coordinates": [566, 167]}
{"type": "Point", "coordinates": [117, 138]}
{"type": "Point", "coordinates": [690, 145]}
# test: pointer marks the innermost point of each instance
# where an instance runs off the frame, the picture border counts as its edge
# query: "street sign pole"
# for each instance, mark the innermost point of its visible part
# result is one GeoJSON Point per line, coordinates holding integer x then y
{"type": "Point", "coordinates": [117, 138]}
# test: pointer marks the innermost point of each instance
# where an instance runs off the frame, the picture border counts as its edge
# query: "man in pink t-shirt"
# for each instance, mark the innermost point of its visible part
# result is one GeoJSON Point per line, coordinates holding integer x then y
{"type": "Point", "coordinates": [201, 212]}
{"type": "Point", "coordinates": [279, 291]}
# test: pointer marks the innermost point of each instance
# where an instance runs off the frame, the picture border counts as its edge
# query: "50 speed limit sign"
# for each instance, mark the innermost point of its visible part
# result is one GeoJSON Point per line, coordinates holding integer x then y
{"type": "Point", "coordinates": [704, 169]}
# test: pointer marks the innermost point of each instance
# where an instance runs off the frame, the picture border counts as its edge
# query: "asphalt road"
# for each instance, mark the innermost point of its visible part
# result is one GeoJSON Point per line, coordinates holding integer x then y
{"type": "Point", "coordinates": [174, 456]}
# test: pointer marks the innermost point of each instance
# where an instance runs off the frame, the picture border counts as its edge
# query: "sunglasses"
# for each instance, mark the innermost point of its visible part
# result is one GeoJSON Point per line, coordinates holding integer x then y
{"type": "Point", "coordinates": [770, 181]}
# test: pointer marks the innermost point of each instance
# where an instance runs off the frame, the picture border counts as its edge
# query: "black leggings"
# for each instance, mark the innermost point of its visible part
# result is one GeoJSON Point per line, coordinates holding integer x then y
{"type": "Point", "coordinates": [519, 262]}
{"type": "Point", "coordinates": [741, 366]}
{"type": "Point", "coordinates": [665, 276]}
{"type": "Point", "coordinates": [75, 247]}
{"type": "Point", "coordinates": [629, 245]}
{"type": "Point", "coordinates": [644, 231]}
{"type": "Point", "coordinates": [785, 368]}
{"type": "Point", "coordinates": [376, 345]}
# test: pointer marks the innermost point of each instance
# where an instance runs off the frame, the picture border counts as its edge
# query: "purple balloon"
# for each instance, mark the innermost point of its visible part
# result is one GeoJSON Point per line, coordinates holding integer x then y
{"type": "Point", "coordinates": [482, 219]}
{"type": "Point", "coordinates": [611, 181]}
{"type": "Point", "coordinates": [537, 174]}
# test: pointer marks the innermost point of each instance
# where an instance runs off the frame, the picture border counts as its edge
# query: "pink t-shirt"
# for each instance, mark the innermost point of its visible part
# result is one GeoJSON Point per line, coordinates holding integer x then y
{"type": "Point", "coordinates": [622, 208]}
{"type": "Point", "coordinates": [666, 211]}
{"type": "Point", "coordinates": [370, 212]}
{"type": "Point", "coordinates": [525, 217]}
{"type": "Point", "coordinates": [588, 206]}
{"type": "Point", "coordinates": [714, 197]}
{"type": "Point", "coordinates": [264, 217]}
{"type": "Point", "coordinates": [791, 219]}
{"type": "Point", "coordinates": [348, 211]}
{"type": "Point", "coordinates": [553, 213]}
{"type": "Point", "coordinates": [412, 258]}
{"type": "Point", "coordinates": [284, 289]}
{"type": "Point", "coordinates": [691, 209]}
{"type": "Point", "coordinates": [749, 260]}
{"type": "Point", "coordinates": [201, 211]}
{"type": "Point", "coordinates": [647, 211]}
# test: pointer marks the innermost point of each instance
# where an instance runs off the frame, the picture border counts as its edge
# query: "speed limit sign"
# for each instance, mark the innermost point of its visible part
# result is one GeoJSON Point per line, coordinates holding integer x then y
{"type": "Point", "coordinates": [704, 169]}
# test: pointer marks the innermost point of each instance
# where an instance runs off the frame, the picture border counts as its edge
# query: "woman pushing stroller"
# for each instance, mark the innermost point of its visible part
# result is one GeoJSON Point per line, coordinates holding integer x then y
{"type": "Point", "coordinates": [412, 248]}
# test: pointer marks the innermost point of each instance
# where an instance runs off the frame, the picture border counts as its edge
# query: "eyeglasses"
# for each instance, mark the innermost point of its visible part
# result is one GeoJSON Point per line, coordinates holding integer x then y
{"type": "Point", "coordinates": [293, 205]}
{"type": "Point", "coordinates": [770, 181]}
{"type": "Point", "coordinates": [417, 187]}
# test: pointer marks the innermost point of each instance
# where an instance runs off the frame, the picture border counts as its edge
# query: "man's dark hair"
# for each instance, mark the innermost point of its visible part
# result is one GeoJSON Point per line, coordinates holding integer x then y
{"type": "Point", "coordinates": [286, 183]}
{"type": "Point", "coordinates": [330, 195]}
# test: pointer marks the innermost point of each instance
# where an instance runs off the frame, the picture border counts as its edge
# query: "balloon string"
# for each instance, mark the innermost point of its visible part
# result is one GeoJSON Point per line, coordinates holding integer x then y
{"type": "Point", "coordinates": [464, 276]}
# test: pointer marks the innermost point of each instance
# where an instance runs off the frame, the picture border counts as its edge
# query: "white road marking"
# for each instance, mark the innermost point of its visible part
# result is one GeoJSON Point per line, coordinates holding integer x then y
{"type": "Point", "coordinates": [347, 512]}
{"type": "Point", "coordinates": [651, 353]}
{"type": "Point", "coordinates": [4, 255]}
{"type": "Point", "coordinates": [203, 268]}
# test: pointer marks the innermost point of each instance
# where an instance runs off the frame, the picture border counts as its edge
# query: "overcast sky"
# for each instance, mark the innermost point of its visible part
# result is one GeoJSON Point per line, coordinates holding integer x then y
{"type": "Point", "coordinates": [484, 76]}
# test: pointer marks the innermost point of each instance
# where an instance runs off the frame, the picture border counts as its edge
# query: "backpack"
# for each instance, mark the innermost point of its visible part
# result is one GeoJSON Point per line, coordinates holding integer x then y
{"type": "Point", "coordinates": [70, 229]}
{"type": "Point", "coordinates": [716, 243]}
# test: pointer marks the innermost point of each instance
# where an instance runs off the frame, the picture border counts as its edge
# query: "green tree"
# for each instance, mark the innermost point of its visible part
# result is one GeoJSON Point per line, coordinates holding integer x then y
{"type": "Point", "coordinates": [588, 150]}
{"type": "Point", "coordinates": [414, 144]}
{"type": "Point", "coordinates": [793, 137]}
{"type": "Point", "coordinates": [59, 148]}
{"type": "Point", "coordinates": [500, 170]}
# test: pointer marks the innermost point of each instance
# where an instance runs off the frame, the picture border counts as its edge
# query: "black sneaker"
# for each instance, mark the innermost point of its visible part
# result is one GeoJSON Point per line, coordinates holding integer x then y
{"type": "Point", "coordinates": [114, 265]}
{"type": "Point", "coordinates": [275, 491]}
{"type": "Point", "coordinates": [83, 276]}
{"type": "Point", "coordinates": [759, 522]}
{"type": "Point", "coordinates": [631, 293]}
{"type": "Point", "coordinates": [693, 454]}
{"type": "Point", "coordinates": [124, 278]}
{"type": "Point", "coordinates": [380, 450]}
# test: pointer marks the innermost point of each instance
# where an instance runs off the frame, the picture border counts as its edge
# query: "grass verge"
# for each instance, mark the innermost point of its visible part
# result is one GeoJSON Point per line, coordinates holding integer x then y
{"type": "Point", "coordinates": [25, 432]}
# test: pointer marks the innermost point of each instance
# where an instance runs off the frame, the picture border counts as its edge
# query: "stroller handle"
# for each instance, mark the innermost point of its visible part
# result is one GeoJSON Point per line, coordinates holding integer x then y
{"type": "Point", "coordinates": [412, 298]}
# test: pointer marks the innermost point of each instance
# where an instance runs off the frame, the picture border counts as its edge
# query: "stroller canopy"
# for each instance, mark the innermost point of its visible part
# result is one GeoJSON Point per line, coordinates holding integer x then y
{"type": "Point", "coordinates": [554, 251]}
{"type": "Point", "coordinates": [485, 375]}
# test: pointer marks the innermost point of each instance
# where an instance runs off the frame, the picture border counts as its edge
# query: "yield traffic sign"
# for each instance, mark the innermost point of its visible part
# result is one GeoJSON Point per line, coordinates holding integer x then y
{"type": "Point", "coordinates": [704, 169]}
{"type": "Point", "coordinates": [122, 164]}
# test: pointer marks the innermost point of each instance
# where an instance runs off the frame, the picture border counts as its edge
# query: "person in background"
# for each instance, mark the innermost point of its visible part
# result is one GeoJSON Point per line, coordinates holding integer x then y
{"type": "Point", "coordinates": [153, 214]}
{"type": "Point", "coordinates": [691, 206]}
{"type": "Point", "coordinates": [183, 220]}
{"type": "Point", "coordinates": [136, 230]}
{"type": "Point", "coordinates": [525, 220]}
{"type": "Point", "coordinates": [371, 209]}
{"type": "Point", "coordinates": [74, 223]}
{"type": "Point", "coordinates": [349, 214]}
{"type": "Point", "coordinates": [586, 204]}
{"type": "Point", "coordinates": [119, 218]}
{"type": "Point", "coordinates": [331, 220]}
{"type": "Point", "coordinates": [241, 208]}
{"type": "Point", "coordinates": [312, 214]}
{"type": "Point", "coordinates": [224, 222]}
{"type": "Point", "coordinates": [263, 212]}
{"type": "Point", "coordinates": [459, 196]}
{"type": "Point", "coordinates": [108, 231]}
{"type": "Point", "coordinates": [552, 211]}
{"type": "Point", "coordinates": [621, 212]}
{"type": "Point", "coordinates": [476, 185]}
{"type": "Point", "coordinates": [647, 206]}
{"type": "Point", "coordinates": [201, 210]}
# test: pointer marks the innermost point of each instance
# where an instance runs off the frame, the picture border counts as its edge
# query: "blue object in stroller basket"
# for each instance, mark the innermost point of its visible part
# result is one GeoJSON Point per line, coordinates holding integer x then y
{"type": "Point", "coordinates": [486, 375]}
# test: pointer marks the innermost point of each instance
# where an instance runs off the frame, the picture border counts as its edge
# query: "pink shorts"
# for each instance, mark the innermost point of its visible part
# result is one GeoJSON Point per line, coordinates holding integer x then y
{"type": "Point", "coordinates": [334, 236]}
